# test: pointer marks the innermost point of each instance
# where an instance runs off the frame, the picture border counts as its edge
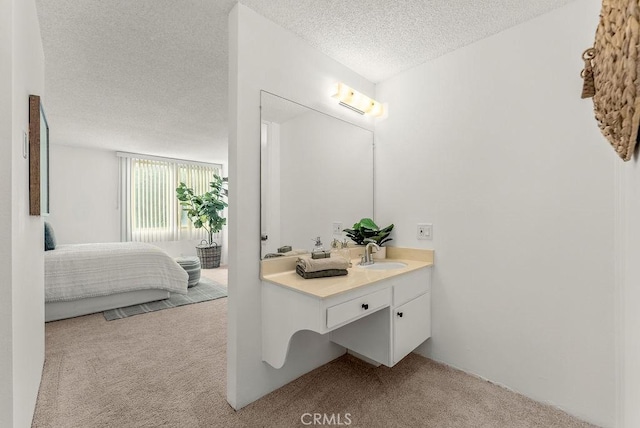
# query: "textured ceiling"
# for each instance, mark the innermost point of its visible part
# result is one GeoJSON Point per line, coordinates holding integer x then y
{"type": "Point", "coordinates": [380, 38]}
{"type": "Point", "coordinates": [146, 76]}
{"type": "Point", "coordinates": [150, 76]}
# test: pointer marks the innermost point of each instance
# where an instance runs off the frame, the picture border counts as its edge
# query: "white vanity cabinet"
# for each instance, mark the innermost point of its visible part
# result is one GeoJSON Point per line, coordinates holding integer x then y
{"type": "Point", "coordinates": [390, 336]}
{"type": "Point", "coordinates": [383, 321]}
{"type": "Point", "coordinates": [411, 326]}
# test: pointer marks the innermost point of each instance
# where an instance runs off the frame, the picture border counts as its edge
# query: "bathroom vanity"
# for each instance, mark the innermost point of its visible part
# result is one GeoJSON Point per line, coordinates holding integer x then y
{"type": "Point", "coordinates": [381, 314]}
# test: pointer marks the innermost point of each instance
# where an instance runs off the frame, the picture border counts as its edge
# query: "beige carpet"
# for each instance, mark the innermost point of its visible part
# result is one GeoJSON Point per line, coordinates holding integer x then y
{"type": "Point", "coordinates": [167, 369]}
{"type": "Point", "coordinates": [219, 275]}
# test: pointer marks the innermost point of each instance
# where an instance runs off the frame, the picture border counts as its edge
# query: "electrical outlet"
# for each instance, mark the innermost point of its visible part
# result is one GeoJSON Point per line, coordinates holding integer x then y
{"type": "Point", "coordinates": [337, 228]}
{"type": "Point", "coordinates": [425, 231]}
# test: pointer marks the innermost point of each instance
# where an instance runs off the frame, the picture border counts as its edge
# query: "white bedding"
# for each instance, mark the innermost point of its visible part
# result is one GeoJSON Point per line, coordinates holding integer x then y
{"type": "Point", "coordinates": [89, 270]}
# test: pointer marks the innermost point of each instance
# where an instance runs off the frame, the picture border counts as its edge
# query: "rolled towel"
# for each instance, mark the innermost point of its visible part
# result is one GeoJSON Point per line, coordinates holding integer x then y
{"type": "Point", "coordinates": [321, 273]}
{"type": "Point", "coordinates": [307, 264]}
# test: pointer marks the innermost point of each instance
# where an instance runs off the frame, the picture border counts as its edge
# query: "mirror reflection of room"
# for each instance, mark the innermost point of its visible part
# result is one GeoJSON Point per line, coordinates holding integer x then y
{"type": "Point", "coordinates": [316, 173]}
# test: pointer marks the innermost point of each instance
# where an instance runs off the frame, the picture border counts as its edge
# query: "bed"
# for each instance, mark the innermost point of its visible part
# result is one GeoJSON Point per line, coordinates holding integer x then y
{"type": "Point", "coordinates": [86, 278]}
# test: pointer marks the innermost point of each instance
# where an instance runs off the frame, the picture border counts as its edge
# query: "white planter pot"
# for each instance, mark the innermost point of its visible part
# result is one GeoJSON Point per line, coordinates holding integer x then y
{"type": "Point", "coordinates": [381, 254]}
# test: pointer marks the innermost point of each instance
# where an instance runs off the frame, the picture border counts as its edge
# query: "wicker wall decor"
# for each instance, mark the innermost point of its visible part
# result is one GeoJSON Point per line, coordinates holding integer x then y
{"type": "Point", "coordinates": [615, 69]}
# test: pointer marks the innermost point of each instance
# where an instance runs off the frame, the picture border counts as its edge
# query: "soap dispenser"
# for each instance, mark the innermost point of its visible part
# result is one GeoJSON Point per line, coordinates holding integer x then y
{"type": "Point", "coordinates": [318, 251]}
{"type": "Point", "coordinates": [317, 248]}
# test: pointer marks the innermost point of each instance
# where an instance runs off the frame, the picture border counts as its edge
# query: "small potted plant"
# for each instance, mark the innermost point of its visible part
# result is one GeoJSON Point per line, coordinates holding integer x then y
{"type": "Point", "coordinates": [367, 231]}
{"type": "Point", "coordinates": [205, 211]}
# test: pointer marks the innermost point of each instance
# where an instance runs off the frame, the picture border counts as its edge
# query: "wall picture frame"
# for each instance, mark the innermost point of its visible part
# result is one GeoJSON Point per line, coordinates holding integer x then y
{"type": "Point", "coordinates": [38, 158]}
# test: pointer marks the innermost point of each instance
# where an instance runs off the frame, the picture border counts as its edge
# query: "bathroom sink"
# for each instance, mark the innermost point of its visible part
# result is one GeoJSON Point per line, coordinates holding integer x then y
{"type": "Point", "coordinates": [384, 266]}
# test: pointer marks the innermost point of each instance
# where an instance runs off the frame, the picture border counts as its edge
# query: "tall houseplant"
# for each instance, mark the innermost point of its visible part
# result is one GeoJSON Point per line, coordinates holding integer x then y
{"type": "Point", "coordinates": [205, 211]}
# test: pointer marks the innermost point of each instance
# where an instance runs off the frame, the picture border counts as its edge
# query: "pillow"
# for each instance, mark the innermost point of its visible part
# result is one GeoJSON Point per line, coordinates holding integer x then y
{"type": "Point", "coordinates": [49, 237]}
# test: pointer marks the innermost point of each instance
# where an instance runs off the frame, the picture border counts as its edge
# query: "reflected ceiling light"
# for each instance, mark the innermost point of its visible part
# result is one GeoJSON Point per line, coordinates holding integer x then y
{"type": "Point", "coordinates": [356, 101]}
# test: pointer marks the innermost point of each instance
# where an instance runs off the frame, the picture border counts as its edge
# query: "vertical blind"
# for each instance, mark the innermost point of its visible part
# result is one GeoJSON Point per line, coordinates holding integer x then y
{"type": "Point", "coordinates": [150, 209]}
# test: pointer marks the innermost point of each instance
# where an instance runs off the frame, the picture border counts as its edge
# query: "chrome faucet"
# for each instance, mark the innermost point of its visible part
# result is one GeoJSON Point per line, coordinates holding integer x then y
{"type": "Point", "coordinates": [367, 259]}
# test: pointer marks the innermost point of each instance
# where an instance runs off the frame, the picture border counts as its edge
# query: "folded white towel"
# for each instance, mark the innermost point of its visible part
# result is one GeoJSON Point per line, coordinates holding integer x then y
{"type": "Point", "coordinates": [315, 265]}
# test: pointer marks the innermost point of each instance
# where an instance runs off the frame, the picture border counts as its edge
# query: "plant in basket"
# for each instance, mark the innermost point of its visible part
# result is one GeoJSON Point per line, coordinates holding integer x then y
{"type": "Point", "coordinates": [205, 211]}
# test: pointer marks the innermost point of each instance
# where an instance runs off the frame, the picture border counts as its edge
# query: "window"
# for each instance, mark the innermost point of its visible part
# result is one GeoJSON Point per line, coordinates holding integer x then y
{"type": "Point", "coordinates": [150, 210]}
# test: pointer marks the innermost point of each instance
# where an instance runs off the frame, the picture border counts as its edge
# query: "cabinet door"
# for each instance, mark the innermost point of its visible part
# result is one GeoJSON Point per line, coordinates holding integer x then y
{"type": "Point", "coordinates": [411, 326]}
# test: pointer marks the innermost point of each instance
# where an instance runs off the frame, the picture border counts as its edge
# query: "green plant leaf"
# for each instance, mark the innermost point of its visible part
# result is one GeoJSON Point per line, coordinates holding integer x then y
{"type": "Point", "coordinates": [366, 230]}
{"type": "Point", "coordinates": [387, 229]}
{"type": "Point", "coordinates": [368, 223]}
{"type": "Point", "coordinates": [204, 210]}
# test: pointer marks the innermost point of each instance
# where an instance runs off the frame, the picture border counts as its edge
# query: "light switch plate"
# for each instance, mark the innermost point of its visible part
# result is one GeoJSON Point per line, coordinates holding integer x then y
{"type": "Point", "coordinates": [337, 228]}
{"type": "Point", "coordinates": [25, 145]}
{"type": "Point", "coordinates": [425, 231]}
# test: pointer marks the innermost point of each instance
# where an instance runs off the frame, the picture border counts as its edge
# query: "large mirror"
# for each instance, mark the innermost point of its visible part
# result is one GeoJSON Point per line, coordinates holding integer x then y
{"type": "Point", "coordinates": [316, 175]}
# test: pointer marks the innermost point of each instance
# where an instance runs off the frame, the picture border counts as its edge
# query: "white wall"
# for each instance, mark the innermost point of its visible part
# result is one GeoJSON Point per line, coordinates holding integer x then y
{"type": "Point", "coordinates": [493, 145]}
{"type": "Point", "coordinates": [6, 160]}
{"type": "Point", "coordinates": [260, 57]}
{"type": "Point", "coordinates": [22, 266]}
{"type": "Point", "coordinates": [628, 296]}
{"type": "Point", "coordinates": [84, 199]}
{"type": "Point", "coordinates": [84, 195]}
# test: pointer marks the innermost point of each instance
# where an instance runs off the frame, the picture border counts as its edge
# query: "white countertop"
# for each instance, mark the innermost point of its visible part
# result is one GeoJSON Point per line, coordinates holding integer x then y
{"type": "Point", "coordinates": [282, 272]}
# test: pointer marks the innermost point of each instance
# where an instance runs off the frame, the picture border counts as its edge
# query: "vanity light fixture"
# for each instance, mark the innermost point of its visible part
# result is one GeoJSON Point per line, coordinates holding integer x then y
{"type": "Point", "coordinates": [356, 101]}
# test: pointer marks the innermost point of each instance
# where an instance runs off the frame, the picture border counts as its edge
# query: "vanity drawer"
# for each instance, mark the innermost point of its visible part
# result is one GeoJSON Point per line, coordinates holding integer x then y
{"type": "Point", "coordinates": [411, 286]}
{"type": "Point", "coordinates": [357, 308]}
